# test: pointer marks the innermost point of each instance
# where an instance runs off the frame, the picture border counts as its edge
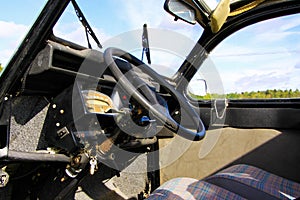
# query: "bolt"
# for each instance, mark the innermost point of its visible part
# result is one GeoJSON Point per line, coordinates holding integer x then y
{"type": "Point", "coordinates": [77, 159]}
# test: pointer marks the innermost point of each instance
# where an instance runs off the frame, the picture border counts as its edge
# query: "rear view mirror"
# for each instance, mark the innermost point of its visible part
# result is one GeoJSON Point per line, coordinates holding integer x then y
{"type": "Point", "coordinates": [208, 13]}
{"type": "Point", "coordinates": [181, 11]}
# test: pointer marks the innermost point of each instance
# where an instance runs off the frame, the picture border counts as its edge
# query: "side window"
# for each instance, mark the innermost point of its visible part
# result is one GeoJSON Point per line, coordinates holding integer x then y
{"type": "Point", "coordinates": [259, 61]}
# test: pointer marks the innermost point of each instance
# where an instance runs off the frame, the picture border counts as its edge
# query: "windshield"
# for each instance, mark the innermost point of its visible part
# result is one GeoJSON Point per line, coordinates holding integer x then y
{"type": "Point", "coordinates": [15, 21]}
{"type": "Point", "coordinates": [119, 23]}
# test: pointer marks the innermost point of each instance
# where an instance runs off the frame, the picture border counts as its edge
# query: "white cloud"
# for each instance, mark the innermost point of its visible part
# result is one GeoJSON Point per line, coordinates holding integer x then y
{"type": "Point", "coordinates": [212, 3]}
{"type": "Point", "coordinates": [5, 55]}
{"type": "Point", "coordinates": [291, 23]}
{"type": "Point", "coordinates": [11, 35]}
{"type": "Point", "coordinates": [244, 73]}
{"type": "Point", "coordinates": [12, 30]}
{"type": "Point", "coordinates": [260, 57]}
{"type": "Point", "coordinates": [138, 12]}
{"type": "Point", "coordinates": [275, 30]}
{"type": "Point", "coordinates": [75, 32]}
{"type": "Point", "coordinates": [267, 72]}
{"type": "Point", "coordinates": [271, 37]}
{"type": "Point", "coordinates": [268, 80]}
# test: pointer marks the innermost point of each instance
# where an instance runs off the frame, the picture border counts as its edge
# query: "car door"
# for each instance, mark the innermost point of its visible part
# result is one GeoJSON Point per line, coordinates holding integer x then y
{"type": "Point", "coordinates": [247, 93]}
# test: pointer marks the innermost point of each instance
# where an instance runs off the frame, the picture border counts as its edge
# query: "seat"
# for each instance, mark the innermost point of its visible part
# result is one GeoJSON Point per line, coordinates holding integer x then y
{"type": "Point", "coordinates": [190, 189]}
{"type": "Point", "coordinates": [253, 182]}
{"type": "Point", "coordinates": [236, 182]}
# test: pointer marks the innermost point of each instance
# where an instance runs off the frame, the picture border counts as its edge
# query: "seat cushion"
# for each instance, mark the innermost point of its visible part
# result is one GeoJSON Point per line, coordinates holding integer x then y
{"type": "Point", "coordinates": [190, 189]}
{"type": "Point", "coordinates": [254, 183]}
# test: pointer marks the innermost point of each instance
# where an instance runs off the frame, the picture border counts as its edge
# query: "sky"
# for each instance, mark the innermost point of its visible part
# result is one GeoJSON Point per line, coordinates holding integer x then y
{"type": "Point", "coordinates": [263, 56]}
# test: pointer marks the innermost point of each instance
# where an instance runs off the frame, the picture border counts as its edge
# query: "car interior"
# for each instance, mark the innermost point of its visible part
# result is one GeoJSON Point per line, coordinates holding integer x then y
{"type": "Point", "coordinates": [61, 101]}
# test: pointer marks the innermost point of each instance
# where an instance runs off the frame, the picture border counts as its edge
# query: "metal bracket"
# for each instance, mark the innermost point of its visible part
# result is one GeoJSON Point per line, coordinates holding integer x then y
{"type": "Point", "coordinates": [5, 114]}
{"type": "Point", "coordinates": [220, 106]}
{"type": "Point", "coordinates": [86, 25]}
{"type": "Point", "coordinates": [4, 178]}
{"type": "Point", "coordinates": [63, 132]}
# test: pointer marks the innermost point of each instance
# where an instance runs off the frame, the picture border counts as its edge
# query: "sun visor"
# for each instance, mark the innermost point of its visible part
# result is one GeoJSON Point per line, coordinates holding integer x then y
{"type": "Point", "coordinates": [219, 15]}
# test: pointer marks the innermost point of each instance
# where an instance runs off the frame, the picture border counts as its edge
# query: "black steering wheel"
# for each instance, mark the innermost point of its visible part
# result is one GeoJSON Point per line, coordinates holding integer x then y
{"type": "Point", "coordinates": [161, 115]}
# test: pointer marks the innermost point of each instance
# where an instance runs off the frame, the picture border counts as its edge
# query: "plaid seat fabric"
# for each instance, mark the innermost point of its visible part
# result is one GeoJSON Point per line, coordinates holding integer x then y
{"type": "Point", "coordinates": [191, 189]}
{"type": "Point", "coordinates": [249, 181]}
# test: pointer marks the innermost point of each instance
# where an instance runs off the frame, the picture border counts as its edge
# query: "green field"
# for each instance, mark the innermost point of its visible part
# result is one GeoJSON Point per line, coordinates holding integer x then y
{"type": "Point", "coordinates": [268, 94]}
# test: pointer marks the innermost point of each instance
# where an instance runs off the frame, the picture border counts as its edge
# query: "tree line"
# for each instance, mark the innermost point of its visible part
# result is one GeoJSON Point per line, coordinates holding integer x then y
{"type": "Point", "coordinates": [267, 94]}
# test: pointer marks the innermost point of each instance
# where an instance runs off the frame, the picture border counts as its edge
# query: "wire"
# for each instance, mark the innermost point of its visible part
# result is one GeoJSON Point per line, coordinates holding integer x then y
{"type": "Point", "coordinates": [257, 53]}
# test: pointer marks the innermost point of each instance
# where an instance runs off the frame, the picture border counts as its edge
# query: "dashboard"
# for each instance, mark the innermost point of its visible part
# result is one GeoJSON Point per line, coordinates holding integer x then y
{"type": "Point", "coordinates": [89, 110]}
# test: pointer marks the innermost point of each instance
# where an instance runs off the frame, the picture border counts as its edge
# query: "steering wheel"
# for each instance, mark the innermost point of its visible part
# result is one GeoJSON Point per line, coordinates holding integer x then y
{"type": "Point", "coordinates": [161, 115]}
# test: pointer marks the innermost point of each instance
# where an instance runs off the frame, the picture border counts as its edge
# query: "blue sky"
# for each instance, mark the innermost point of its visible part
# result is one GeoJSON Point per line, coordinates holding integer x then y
{"type": "Point", "coordinates": [265, 56]}
{"type": "Point", "coordinates": [15, 19]}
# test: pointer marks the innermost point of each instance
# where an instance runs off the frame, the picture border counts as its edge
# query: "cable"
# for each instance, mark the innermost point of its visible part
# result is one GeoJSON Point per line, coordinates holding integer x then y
{"type": "Point", "coordinates": [256, 54]}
